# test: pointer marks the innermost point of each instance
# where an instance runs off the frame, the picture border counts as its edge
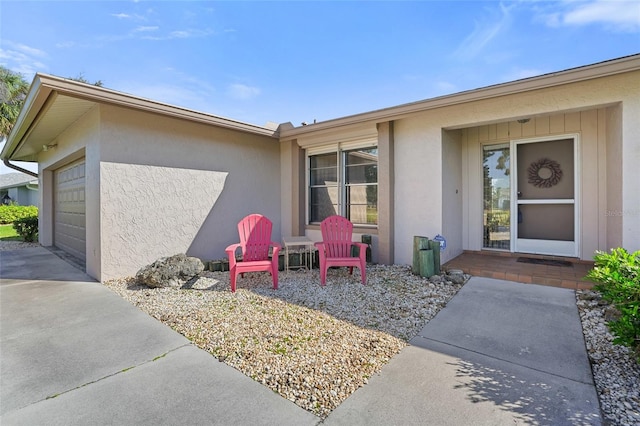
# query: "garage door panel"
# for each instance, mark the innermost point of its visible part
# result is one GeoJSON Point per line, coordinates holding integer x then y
{"type": "Point", "coordinates": [69, 219]}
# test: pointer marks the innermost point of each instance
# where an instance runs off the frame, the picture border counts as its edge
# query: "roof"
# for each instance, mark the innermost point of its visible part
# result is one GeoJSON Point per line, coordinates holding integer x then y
{"type": "Point", "coordinates": [12, 180]}
{"type": "Point", "coordinates": [587, 72]}
{"type": "Point", "coordinates": [54, 103]}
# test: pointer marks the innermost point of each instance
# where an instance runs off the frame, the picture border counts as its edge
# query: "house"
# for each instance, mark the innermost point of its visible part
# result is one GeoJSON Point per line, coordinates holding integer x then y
{"type": "Point", "coordinates": [19, 188]}
{"type": "Point", "coordinates": [541, 165]}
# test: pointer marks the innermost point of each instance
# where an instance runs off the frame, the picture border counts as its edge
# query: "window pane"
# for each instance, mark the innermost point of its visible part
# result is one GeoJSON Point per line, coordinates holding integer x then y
{"type": "Point", "coordinates": [364, 173]}
{"type": "Point", "coordinates": [362, 204]}
{"type": "Point", "coordinates": [361, 166]}
{"type": "Point", "coordinates": [362, 156]}
{"type": "Point", "coordinates": [323, 202]}
{"type": "Point", "coordinates": [328, 176]}
{"type": "Point", "coordinates": [497, 198]}
{"type": "Point", "coordinates": [324, 160]}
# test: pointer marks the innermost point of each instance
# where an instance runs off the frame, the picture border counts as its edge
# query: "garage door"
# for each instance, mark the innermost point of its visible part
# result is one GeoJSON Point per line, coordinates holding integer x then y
{"type": "Point", "coordinates": [69, 217]}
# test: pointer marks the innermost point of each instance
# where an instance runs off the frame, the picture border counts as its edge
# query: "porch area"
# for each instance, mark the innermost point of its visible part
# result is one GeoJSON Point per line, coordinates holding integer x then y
{"type": "Point", "coordinates": [525, 268]}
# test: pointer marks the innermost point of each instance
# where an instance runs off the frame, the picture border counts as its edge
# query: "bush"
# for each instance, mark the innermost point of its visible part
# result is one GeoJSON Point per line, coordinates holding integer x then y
{"type": "Point", "coordinates": [27, 228]}
{"type": "Point", "coordinates": [618, 279]}
{"type": "Point", "coordinates": [12, 212]}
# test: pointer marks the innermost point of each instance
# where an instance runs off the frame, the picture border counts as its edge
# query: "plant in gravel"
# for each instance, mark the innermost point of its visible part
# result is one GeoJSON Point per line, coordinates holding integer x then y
{"type": "Point", "coordinates": [27, 228]}
{"type": "Point", "coordinates": [617, 275]}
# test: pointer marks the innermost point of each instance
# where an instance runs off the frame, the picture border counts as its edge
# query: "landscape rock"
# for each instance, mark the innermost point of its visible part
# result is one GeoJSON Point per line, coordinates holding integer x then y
{"type": "Point", "coordinates": [174, 271]}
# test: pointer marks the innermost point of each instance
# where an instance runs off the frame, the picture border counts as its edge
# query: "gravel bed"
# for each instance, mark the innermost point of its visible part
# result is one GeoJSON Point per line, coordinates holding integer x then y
{"type": "Point", "coordinates": [615, 371]}
{"type": "Point", "coordinates": [313, 345]}
{"type": "Point", "coordinates": [15, 245]}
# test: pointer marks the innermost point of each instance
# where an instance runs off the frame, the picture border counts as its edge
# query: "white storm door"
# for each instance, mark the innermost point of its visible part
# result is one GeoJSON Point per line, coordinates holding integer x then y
{"type": "Point", "coordinates": [545, 209]}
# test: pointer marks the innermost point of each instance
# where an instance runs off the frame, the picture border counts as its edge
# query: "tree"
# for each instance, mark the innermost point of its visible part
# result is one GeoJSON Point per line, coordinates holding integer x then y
{"type": "Point", "coordinates": [13, 92]}
{"type": "Point", "coordinates": [81, 79]}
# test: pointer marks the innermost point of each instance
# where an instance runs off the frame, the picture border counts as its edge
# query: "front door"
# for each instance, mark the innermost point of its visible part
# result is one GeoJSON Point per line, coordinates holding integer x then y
{"type": "Point", "coordinates": [544, 206]}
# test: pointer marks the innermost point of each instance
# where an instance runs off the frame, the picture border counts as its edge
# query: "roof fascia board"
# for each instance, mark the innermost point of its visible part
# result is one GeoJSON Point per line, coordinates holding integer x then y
{"type": "Point", "coordinates": [102, 95]}
{"type": "Point", "coordinates": [36, 98]}
{"type": "Point", "coordinates": [574, 75]}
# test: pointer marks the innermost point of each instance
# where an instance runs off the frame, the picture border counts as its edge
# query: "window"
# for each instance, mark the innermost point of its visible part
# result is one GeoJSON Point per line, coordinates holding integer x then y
{"type": "Point", "coordinates": [344, 183]}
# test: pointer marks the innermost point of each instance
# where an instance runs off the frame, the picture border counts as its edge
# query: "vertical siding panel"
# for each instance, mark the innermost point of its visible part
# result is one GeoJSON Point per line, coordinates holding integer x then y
{"type": "Point", "coordinates": [493, 132]}
{"type": "Point", "coordinates": [483, 133]}
{"type": "Point", "coordinates": [529, 128]}
{"type": "Point", "coordinates": [588, 167]}
{"type": "Point", "coordinates": [556, 123]}
{"type": "Point", "coordinates": [515, 129]}
{"type": "Point", "coordinates": [472, 136]}
{"type": "Point", "coordinates": [542, 126]}
{"type": "Point", "coordinates": [572, 122]}
{"type": "Point", "coordinates": [502, 131]}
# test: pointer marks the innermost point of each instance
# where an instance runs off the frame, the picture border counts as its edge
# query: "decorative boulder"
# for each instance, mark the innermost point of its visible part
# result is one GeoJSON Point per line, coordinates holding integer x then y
{"type": "Point", "coordinates": [174, 271]}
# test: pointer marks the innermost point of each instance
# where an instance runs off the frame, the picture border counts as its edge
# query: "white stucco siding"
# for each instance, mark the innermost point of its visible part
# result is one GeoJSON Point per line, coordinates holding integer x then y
{"type": "Point", "coordinates": [169, 186]}
{"type": "Point", "coordinates": [418, 183]}
{"type": "Point", "coordinates": [150, 212]}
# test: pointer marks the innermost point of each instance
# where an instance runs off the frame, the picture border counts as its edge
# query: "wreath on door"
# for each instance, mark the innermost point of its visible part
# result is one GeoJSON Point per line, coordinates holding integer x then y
{"type": "Point", "coordinates": [544, 173]}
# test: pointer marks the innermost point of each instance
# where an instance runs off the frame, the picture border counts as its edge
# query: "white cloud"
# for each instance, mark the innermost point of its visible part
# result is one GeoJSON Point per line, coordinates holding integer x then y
{"type": "Point", "coordinates": [616, 16]}
{"type": "Point", "coordinates": [180, 34]}
{"type": "Point", "coordinates": [242, 91]}
{"type": "Point", "coordinates": [146, 29]}
{"type": "Point", "coordinates": [483, 34]}
{"type": "Point", "coordinates": [23, 59]}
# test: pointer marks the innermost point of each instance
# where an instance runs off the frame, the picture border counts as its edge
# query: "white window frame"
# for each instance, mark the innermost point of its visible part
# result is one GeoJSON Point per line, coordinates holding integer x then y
{"type": "Point", "coordinates": [339, 149]}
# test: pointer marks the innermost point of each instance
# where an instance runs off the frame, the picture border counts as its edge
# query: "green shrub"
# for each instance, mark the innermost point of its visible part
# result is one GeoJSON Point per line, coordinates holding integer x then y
{"type": "Point", "coordinates": [12, 212]}
{"type": "Point", "coordinates": [618, 280]}
{"type": "Point", "coordinates": [27, 228]}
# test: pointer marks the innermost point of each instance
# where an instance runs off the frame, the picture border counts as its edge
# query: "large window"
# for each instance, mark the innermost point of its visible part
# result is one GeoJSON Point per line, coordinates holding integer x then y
{"type": "Point", "coordinates": [344, 183]}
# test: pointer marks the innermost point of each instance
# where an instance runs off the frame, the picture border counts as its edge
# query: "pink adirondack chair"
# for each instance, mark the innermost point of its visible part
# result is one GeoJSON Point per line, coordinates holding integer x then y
{"type": "Point", "coordinates": [255, 241]}
{"type": "Point", "coordinates": [335, 249]}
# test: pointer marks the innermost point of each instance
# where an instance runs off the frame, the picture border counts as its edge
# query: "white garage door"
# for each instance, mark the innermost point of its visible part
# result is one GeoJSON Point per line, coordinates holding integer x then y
{"type": "Point", "coordinates": [69, 217]}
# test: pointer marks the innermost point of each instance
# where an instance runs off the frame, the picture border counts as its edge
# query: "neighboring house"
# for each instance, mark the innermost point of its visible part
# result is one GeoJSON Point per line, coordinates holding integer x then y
{"type": "Point", "coordinates": [19, 188]}
{"type": "Point", "coordinates": [547, 164]}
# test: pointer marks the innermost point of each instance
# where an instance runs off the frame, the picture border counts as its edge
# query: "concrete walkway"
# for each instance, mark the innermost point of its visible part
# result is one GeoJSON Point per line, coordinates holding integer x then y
{"type": "Point", "coordinates": [74, 353]}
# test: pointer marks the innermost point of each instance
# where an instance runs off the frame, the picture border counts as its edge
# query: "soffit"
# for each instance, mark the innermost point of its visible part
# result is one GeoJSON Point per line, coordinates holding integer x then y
{"type": "Point", "coordinates": [58, 115]}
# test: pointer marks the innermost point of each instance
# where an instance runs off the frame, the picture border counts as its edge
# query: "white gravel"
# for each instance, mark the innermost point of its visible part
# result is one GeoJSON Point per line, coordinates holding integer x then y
{"type": "Point", "coordinates": [615, 371]}
{"type": "Point", "coordinates": [313, 345]}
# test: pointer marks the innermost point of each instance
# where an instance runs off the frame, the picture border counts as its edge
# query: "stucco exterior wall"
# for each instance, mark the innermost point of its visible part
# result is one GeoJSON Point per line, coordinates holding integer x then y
{"type": "Point", "coordinates": [452, 210]}
{"type": "Point", "coordinates": [431, 161]}
{"type": "Point", "coordinates": [170, 186]}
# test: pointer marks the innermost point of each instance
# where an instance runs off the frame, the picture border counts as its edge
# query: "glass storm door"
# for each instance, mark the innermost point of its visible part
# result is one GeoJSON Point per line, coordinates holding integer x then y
{"type": "Point", "coordinates": [544, 213]}
{"type": "Point", "coordinates": [496, 197]}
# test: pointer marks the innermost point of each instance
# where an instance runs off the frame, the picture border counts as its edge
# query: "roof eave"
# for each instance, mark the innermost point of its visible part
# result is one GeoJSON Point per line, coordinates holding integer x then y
{"type": "Point", "coordinates": [43, 86]}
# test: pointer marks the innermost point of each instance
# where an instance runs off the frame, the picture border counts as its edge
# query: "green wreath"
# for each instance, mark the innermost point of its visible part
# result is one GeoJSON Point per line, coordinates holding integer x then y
{"type": "Point", "coordinates": [543, 181]}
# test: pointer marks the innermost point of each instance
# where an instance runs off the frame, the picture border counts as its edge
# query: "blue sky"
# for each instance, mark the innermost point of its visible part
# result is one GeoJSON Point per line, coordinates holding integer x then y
{"type": "Point", "coordinates": [299, 60]}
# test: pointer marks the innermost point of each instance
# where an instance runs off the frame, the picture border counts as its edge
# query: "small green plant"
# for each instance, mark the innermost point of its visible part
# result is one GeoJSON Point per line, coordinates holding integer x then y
{"type": "Point", "coordinates": [617, 275]}
{"type": "Point", "coordinates": [12, 212]}
{"type": "Point", "coordinates": [27, 228]}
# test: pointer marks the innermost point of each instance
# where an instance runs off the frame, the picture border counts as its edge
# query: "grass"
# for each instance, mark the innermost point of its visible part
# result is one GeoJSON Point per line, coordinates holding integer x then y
{"type": "Point", "coordinates": [7, 233]}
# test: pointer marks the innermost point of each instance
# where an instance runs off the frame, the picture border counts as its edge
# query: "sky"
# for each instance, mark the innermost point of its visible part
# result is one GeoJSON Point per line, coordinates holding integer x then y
{"type": "Point", "coordinates": [300, 61]}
